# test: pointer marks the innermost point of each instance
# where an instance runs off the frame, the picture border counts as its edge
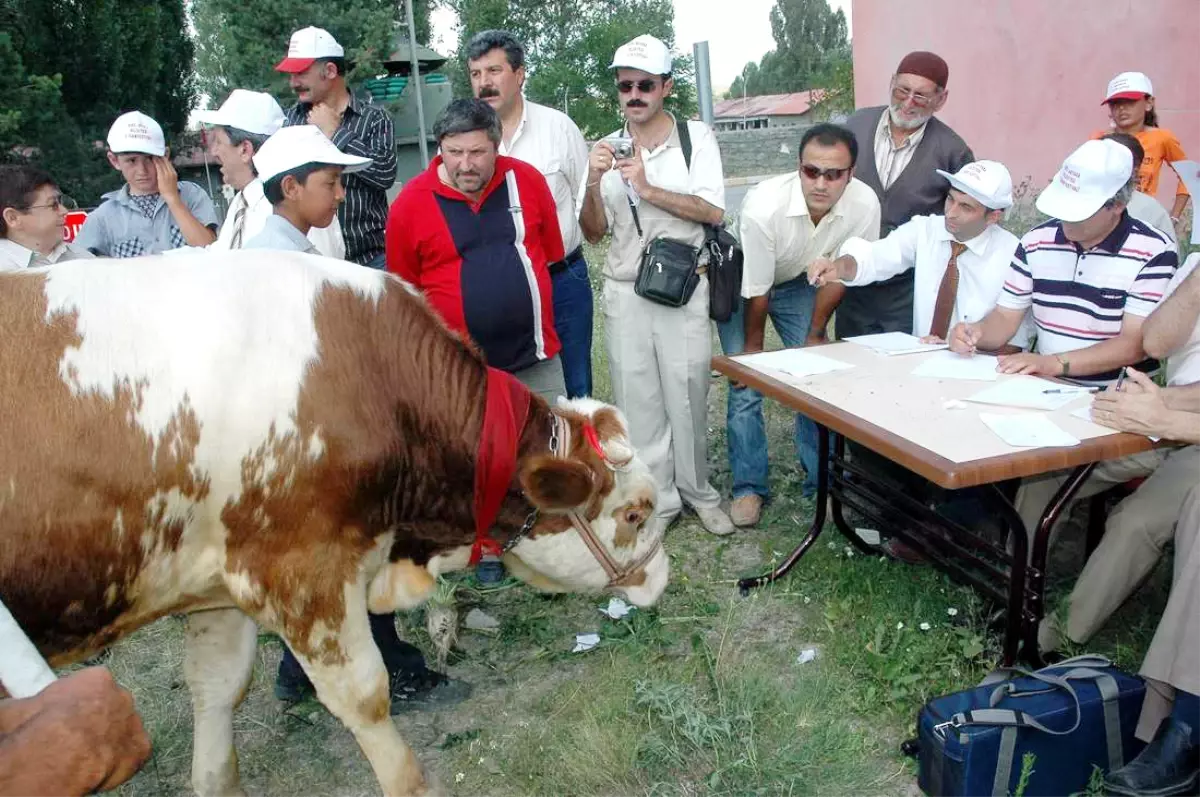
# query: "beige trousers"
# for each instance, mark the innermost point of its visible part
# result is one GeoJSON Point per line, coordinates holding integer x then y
{"type": "Point", "coordinates": [1135, 535]}
{"type": "Point", "coordinates": [1173, 661]}
{"type": "Point", "coordinates": [659, 361]}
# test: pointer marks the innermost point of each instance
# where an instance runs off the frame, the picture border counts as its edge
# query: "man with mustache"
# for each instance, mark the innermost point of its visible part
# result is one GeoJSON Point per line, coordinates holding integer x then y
{"type": "Point", "coordinates": [476, 232]}
{"type": "Point", "coordinates": [909, 146]}
{"type": "Point", "coordinates": [316, 64]}
{"type": "Point", "coordinates": [787, 222]}
{"type": "Point", "coordinates": [658, 356]}
{"type": "Point", "coordinates": [549, 140]}
{"type": "Point", "coordinates": [236, 130]}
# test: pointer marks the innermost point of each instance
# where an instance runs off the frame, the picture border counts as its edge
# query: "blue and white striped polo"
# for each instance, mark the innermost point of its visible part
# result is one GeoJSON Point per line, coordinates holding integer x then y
{"type": "Point", "coordinates": [1080, 296]}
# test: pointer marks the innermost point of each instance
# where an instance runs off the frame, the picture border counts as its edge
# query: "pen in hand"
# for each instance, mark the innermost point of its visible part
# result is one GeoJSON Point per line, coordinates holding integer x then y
{"type": "Point", "coordinates": [1120, 379]}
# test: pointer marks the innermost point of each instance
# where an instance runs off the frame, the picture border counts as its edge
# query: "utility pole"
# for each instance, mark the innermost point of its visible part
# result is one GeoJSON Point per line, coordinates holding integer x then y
{"type": "Point", "coordinates": [415, 78]}
{"type": "Point", "coordinates": [703, 82]}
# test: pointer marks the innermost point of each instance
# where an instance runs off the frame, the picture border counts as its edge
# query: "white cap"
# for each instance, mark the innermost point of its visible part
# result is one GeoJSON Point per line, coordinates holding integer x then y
{"type": "Point", "coordinates": [1089, 177]}
{"type": "Point", "coordinates": [1128, 86]}
{"type": "Point", "coordinates": [252, 111]}
{"type": "Point", "coordinates": [136, 132]}
{"type": "Point", "coordinates": [645, 53]}
{"type": "Point", "coordinates": [306, 46]}
{"type": "Point", "coordinates": [301, 145]}
{"type": "Point", "coordinates": [987, 182]}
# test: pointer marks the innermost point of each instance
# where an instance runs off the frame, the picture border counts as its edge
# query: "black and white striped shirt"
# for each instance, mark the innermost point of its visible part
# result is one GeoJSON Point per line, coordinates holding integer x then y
{"type": "Point", "coordinates": [366, 131]}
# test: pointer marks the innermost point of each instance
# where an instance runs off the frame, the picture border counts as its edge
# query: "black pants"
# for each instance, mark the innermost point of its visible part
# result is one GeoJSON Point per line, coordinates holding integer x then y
{"type": "Point", "coordinates": [399, 657]}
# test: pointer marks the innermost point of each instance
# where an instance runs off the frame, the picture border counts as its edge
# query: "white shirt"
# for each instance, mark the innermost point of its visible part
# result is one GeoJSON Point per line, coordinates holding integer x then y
{"type": "Point", "coordinates": [14, 257]}
{"type": "Point", "coordinates": [891, 160]}
{"type": "Point", "coordinates": [779, 239]}
{"type": "Point", "coordinates": [550, 141]}
{"type": "Point", "coordinates": [923, 244]}
{"type": "Point", "coordinates": [665, 169]}
{"type": "Point", "coordinates": [327, 240]}
{"type": "Point", "coordinates": [1144, 207]}
{"type": "Point", "coordinates": [1183, 364]}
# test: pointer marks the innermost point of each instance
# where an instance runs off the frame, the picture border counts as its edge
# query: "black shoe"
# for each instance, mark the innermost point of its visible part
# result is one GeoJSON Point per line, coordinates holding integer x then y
{"type": "Point", "coordinates": [1167, 766]}
{"type": "Point", "coordinates": [426, 690]}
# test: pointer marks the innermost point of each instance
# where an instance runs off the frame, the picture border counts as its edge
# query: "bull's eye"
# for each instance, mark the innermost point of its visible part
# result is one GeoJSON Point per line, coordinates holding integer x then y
{"type": "Point", "coordinates": [634, 518]}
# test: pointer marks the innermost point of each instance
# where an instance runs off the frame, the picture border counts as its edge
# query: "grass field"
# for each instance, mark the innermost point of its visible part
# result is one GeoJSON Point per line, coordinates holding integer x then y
{"type": "Point", "coordinates": [702, 695]}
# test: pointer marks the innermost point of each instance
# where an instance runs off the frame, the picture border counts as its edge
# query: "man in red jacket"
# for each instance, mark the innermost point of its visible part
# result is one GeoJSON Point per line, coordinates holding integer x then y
{"type": "Point", "coordinates": [475, 232]}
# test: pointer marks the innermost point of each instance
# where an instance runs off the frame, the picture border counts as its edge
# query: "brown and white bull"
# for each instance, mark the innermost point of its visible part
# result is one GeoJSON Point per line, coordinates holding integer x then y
{"type": "Point", "coordinates": [274, 440]}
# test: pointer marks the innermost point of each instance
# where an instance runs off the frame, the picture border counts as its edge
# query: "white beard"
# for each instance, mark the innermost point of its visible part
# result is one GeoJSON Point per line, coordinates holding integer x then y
{"type": "Point", "coordinates": [907, 124]}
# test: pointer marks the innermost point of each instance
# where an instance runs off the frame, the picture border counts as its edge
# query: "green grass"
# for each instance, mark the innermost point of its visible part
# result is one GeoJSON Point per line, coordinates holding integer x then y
{"type": "Point", "coordinates": [703, 695]}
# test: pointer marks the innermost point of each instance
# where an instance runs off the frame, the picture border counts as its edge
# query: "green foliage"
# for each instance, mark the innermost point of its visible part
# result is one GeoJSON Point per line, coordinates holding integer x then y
{"type": "Point", "coordinates": [811, 51]}
{"type": "Point", "coordinates": [73, 67]}
{"type": "Point", "coordinates": [569, 45]}
{"type": "Point", "coordinates": [236, 48]}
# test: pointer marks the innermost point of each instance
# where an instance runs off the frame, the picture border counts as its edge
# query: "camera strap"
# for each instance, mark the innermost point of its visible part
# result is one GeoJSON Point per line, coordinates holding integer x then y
{"type": "Point", "coordinates": [685, 143]}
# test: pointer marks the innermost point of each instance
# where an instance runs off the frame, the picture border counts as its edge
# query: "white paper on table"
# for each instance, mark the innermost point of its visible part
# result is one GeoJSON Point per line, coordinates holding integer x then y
{"type": "Point", "coordinates": [1028, 431]}
{"type": "Point", "coordinates": [796, 362]}
{"type": "Point", "coordinates": [1189, 173]}
{"type": "Point", "coordinates": [1028, 392]}
{"type": "Point", "coordinates": [893, 343]}
{"type": "Point", "coordinates": [949, 365]}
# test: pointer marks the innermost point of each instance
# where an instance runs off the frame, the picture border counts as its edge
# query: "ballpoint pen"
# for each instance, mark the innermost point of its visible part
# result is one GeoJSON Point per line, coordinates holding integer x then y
{"type": "Point", "coordinates": [1072, 390]}
{"type": "Point", "coordinates": [1120, 379]}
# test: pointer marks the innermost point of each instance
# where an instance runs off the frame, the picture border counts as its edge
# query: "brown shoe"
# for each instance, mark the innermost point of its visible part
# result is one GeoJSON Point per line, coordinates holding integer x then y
{"type": "Point", "coordinates": [746, 511]}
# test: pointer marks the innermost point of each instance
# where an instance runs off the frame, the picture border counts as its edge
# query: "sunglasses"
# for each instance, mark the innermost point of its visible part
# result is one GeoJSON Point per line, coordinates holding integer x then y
{"type": "Point", "coordinates": [644, 86]}
{"type": "Point", "coordinates": [812, 172]}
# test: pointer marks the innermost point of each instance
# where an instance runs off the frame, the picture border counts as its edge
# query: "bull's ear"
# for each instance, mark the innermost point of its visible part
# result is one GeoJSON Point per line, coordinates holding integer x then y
{"type": "Point", "coordinates": [556, 484]}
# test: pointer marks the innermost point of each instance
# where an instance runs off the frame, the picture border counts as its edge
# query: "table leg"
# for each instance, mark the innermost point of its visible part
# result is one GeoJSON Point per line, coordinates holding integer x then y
{"type": "Point", "coordinates": [837, 508]}
{"type": "Point", "coordinates": [1014, 625]}
{"type": "Point", "coordinates": [814, 531]}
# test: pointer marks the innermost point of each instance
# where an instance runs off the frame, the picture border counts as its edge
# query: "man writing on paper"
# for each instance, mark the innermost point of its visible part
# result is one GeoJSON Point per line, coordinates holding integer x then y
{"type": "Point", "coordinates": [785, 223]}
{"type": "Point", "coordinates": [1090, 275]}
{"type": "Point", "coordinates": [1140, 527]}
{"type": "Point", "coordinates": [959, 260]}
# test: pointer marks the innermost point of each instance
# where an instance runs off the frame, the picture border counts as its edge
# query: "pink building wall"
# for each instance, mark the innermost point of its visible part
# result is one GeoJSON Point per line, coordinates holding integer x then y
{"type": "Point", "coordinates": [1027, 76]}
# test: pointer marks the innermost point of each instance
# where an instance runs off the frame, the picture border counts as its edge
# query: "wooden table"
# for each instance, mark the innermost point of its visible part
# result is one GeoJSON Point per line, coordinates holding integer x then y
{"type": "Point", "coordinates": [881, 405]}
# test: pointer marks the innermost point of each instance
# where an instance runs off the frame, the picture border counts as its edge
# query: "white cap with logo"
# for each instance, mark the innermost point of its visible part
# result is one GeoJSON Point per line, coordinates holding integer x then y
{"type": "Point", "coordinates": [302, 145]}
{"type": "Point", "coordinates": [645, 53]}
{"type": "Point", "coordinates": [987, 182]}
{"type": "Point", "coordinates": [1089, 177]}
{"type": "Point", "coordinates": [251, 111]}
{"type": "Point", "coordinates": [136, 132]}
{"type": "Point", "coordinates": [1128, 86]}
{"type": "Point", "coordinates": [306, 46]}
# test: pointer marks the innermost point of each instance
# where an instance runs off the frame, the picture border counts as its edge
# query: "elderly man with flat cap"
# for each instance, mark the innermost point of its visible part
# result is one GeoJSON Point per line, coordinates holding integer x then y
{"type": "Point", "coordinates": [909, 146]}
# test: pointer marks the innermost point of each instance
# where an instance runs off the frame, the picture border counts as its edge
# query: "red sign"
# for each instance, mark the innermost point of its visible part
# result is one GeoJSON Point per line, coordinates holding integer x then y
{"type": "Point", "coordinates": [72, 224]}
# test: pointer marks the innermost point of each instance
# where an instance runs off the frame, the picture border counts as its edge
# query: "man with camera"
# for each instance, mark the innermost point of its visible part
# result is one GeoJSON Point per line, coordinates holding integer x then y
{"type": "Point", "coordinates": [654, 185]}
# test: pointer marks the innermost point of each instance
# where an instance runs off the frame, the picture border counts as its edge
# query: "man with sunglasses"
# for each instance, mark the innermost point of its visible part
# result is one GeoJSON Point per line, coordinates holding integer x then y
{"type": "Point", "coordinates": [658, 356]}
{"type": "Point", "coordinates": [909, 146]}
{"type": "Point", "coordinates": [785, 223]}
{"type": "Point", "coordinates": [32, 213]}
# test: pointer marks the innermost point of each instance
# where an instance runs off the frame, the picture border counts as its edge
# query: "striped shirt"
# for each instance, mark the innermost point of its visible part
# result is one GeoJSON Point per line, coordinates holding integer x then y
{"type": "Point", "coordinates": [1080, 297]}
{"type": "Point", "coordinates": [366, 131]}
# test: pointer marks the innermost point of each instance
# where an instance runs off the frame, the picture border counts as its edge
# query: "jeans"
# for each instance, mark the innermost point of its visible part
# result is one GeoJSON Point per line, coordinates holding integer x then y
{"type": "Point", "coordinates": [790, 309]}
{"type": "Point", "coordinates": [401, 659]}
{"type": "Point", "coordinates": [379, 262]}
{"type": "Point", "coordinates": [573, 323]}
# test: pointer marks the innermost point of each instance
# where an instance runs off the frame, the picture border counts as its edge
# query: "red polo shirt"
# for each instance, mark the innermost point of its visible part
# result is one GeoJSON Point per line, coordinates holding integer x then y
{"type": "Point", "coordinates": [483, 265]}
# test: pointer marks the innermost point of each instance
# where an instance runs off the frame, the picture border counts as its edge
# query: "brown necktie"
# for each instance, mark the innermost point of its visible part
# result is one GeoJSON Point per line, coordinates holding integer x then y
{"type": "Point", "coordinates": [943, 308]}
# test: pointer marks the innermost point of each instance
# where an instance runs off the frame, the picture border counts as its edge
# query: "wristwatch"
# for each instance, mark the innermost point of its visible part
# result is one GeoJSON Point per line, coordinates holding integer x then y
{"type": "Point", "coordinates": [1065, 363]}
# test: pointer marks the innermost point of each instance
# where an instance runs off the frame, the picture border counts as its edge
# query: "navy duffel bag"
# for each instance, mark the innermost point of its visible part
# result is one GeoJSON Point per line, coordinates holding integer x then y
{"type": "Point", "coordinates": [1074, 716]}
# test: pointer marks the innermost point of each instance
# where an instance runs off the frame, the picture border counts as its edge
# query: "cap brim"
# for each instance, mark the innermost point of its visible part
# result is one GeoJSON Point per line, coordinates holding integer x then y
{"type": "Point", "coordinates": [989, 203]}
{"type": "Point", "coordinates": [131, 150]}
{"type": "Point", "coordinates": [212, 118]}
{"type": "Point", "coordinates": [294, 65]}
{"type": "Point", "coordinates": [1059, 202]}
{"type": "Point", "coordinates": [1126, 95]}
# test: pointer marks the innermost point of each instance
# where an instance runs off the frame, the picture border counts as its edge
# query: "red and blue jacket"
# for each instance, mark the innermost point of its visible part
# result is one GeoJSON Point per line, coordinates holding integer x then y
{"type": "Point", "coordinates": [483, 266]}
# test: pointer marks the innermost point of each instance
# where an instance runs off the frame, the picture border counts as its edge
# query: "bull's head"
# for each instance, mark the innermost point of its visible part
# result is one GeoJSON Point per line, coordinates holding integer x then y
{"type": "Point", "coordinates": [595, 500]}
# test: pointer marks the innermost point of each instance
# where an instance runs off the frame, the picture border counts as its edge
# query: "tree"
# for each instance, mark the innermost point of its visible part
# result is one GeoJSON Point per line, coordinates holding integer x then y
{"type": "Point", "coordinates": [569, 45]}
{"type": "Point", "coordinates": [72, 67]}
{"type": "Point", "coordinates": [811, 51]}
{"type": "Point", "coordinates": [238, 44]}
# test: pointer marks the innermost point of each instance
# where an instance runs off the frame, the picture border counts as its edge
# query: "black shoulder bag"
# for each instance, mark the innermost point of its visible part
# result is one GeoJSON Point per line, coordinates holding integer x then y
{"type": "Point", "coordinates": [668, 271]}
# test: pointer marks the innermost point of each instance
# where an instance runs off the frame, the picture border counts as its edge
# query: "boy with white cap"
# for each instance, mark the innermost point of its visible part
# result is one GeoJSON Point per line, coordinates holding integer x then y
{"type": "Point", "coordinates": [1090, 276]}
{"type": "Point", "coordinates": [959, 259]}
{"type": "Point", "coordinates": [237, 130]}
{"type": "Point", "coordinates": [301, 173]}
{"type": "Point", "coordinates": [154, 211]}
{"type": "Point", "coordinates": [316, 65]}
{"type": "Point", "coordinates": [658, 356]}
